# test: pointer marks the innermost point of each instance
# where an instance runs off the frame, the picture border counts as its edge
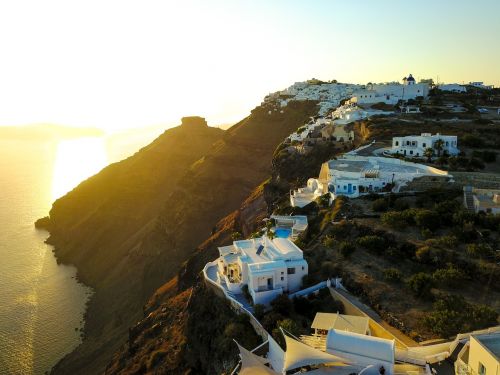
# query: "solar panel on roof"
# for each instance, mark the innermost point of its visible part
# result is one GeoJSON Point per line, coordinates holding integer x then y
{"type": "Point", "coordinates": [259, 249]}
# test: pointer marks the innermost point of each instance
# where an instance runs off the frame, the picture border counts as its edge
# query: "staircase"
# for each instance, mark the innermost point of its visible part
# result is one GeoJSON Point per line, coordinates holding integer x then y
{"type": "Point", "coordinates": [468, 198]}
{"type": "Point", "coordinates": [241, 299]}
{"type": "Point", "coordinates": [317, 342]}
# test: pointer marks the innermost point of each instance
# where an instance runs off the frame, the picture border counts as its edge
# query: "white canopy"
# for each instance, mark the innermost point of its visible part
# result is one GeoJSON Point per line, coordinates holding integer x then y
{"type": "Point", "coordinates": [353, 344]}
{"type": "Point", "coordinates": [299, 354]}
{"type": "Point", "coordinates": [252, 364]}
{"type": "Point", "coordinates": [276, 355]}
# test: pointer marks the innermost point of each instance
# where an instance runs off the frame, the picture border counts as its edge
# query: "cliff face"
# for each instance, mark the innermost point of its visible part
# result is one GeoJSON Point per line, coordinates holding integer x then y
{"type": "Point", "coordinates": [129, 228]}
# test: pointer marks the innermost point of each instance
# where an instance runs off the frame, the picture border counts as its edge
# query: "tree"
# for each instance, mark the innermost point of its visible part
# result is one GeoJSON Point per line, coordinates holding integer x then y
{"type": "Point", "coordinates": [428, 153]}
{"type": "Point", "coordinates": [438, 145]}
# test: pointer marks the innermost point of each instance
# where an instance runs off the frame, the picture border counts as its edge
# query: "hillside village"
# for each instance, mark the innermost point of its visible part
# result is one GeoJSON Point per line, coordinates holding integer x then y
{"type": "Point", "coordinates": [384, 225]}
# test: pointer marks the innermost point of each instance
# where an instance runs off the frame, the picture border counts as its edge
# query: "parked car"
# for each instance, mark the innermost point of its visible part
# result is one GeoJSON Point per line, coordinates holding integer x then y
{"type": "Point", "coordinates": [482, 110]}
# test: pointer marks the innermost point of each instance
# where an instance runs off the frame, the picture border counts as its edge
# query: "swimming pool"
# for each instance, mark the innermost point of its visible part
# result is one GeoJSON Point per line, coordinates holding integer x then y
{"type": "Point", "coordinates": [283, 232]}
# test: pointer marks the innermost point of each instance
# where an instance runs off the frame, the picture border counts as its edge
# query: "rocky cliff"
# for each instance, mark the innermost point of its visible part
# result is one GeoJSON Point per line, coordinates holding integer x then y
{"type": "Point", "coordinates": [129, 228]}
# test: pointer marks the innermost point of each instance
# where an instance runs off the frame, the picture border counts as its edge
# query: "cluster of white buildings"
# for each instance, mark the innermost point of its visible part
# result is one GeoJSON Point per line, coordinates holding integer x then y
{"type": "Point", "coordinates": [416, 145]}
{"type": "Point", "coordinates": [334, 124]}
{"type": "Point", "coordinates": [391, 93]}
{"type": "Point", "coordinates": [329, 95]}
{"type": "Point", "coordinates": [268, 267]}
{"type": "Point", "coordinates": [353, 175]}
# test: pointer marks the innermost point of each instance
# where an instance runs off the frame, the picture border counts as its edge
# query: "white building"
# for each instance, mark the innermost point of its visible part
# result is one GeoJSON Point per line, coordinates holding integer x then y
{"type": "Point", "coordinates": [391, 93]}
{"type": "Point", "coordinates": [353, 175]}
{"type": "Point", "coordinates": [268, 267]}
{"type": "Point", "coordinates": [480, 85]}
{"type": "Point", "coordinates": [452, 87]}
{"type": "Point", "coordinates": [415, 145]}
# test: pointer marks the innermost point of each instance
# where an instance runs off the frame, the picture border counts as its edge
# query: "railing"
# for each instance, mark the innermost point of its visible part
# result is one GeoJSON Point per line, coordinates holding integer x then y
{"type": "Point", "coordinates": [235, 305]}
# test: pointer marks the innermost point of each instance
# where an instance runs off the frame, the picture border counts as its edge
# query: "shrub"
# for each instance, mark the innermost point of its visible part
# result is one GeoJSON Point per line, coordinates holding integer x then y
{"type": "Point", "coordinates": [421, 284]}
{"type": "Point", "coordinates": [450, 276]}
{"type": "Point", "coordinates": [407, 248]}
{"type": "Point", "coordinates": [288, 325]}
{"type": "Point", "coordinates": [427, 219]}
{"type": "Point", "coordinates": [380, 205]}
{"type": "Point", "coordinates": [392, 274]}
{"type": "Point", "coordinates": [373, 243]}
{"type": "Point", "coordinates": [346, 248]}
{"type": "Point", "coordinates": [235, 236]}
{"type": "Point", "coordinates": [329, 241]}
{"type": "Point", "coordinates": [282, 305]}
{"type": "Point", "coordinates": [259, 311]}
{"type": "Point", "coordinates": [424, 254]}
{"type": "Point", "coordinates": [471, 140]}
{"type": "Point", "coordinates": [453, 314]}
{"type": "Point", "coordinates": [478, 250]}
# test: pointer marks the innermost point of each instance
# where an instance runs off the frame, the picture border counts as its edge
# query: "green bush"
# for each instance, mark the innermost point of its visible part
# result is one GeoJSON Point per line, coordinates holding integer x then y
{"type": "Point", "coordinates": [450, 276]}
{"type": "Point", "coordinates": [424, 254]}
{"type": "Point", "coordinates": [373, 243]}
{"type": "Point", "coordinates": [346, 248]}
{"type": "Point", "coordinates": [427, 219]}
{"type": "Point", "coordinates": [392, 274]}
{"type": "Point", "coordinates": [421, 284]}
{"type": "Point", "coordinates": [259, 311]}
{"type": "Point", "coordinates": [329, 242]}
{"type": "Point", "coordinates": [282, 305]}
{"type": "Point", "coordinates": [478, 250]}
{"type": "Point", "coordinates": [471, 140]}
{"type": "Point", "coordinates": [453, 314]}
{"type": "Point", "coordinates": [380, 205]}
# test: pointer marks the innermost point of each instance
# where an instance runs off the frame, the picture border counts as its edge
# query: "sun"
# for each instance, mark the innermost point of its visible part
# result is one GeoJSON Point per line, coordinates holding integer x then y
{"type": "Point", "coordinates": [77, 160]}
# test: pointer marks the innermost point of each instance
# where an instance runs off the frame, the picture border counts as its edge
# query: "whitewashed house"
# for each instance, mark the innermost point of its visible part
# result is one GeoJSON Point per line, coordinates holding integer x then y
{"type": "Point", "coordinates": [353, 175]}
{"type": "Point", "coordinates": [268, 267]}
{"type": "Point", "coordinates": [480, 85]}
{"type": "Point", "coordinates": [415, 145]}
{"type": "Point", "coordinates": [452, 87]}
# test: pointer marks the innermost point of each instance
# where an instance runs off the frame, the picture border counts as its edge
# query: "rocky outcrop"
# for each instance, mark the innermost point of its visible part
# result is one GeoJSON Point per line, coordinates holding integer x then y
{"type": "Point", "coordinates": [130, 228]}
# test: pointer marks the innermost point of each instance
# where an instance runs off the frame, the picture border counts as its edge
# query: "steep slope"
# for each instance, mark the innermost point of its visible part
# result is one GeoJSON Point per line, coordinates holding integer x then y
{"type": "Point", "coordinates": [129, 228]}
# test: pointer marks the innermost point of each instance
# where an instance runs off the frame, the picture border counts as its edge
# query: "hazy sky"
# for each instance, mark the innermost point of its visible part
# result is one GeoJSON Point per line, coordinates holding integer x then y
{"type": "Point", "coordinates": [121, 64]}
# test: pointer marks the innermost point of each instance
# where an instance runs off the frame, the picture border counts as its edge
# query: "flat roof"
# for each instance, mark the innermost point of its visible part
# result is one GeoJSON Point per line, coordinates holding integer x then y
{"type": "Point", "coordinates": [490, 342]}
{"type": "Point", "coordinates": [351, 323]}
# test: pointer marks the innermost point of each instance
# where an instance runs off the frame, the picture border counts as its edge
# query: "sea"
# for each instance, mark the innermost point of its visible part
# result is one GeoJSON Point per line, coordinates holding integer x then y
{"type": "Point", "coordinates": [41, 302]}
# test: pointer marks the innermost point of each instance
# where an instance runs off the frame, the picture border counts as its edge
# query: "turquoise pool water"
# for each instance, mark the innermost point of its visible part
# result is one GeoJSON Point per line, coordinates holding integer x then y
{"type": "Point", "coordinates": [283, 232]}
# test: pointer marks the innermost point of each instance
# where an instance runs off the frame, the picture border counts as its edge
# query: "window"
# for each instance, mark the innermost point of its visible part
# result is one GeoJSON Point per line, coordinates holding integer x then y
{"type": "Point", "coordinates": [282, 278]}
{"type": "Point", "coordinates": [411, 152]}
{"type": "Point", "coordinates": [424, 145]}
{"type": "Point", "coordinates": [302, 268]}
{"type": "Point", "coordinates": [290, 271]}
{"type": "Point", "coordinates": [345, 187]}
{"type": "Point", "coordinates": [397, 143]}
{"type": "Point", "coordinates": [354, 188]}
{"type": "Point", "coordinates": [481, 370]}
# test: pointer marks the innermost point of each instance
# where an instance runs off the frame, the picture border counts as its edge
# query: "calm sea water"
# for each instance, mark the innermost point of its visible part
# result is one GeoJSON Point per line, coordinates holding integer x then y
{"type": "Point", "coordinates": [41, 303]}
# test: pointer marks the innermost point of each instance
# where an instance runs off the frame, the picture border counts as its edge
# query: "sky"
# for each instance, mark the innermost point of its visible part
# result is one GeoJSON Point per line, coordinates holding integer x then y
{"type": "Point", "coordinates": [126, 64]}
